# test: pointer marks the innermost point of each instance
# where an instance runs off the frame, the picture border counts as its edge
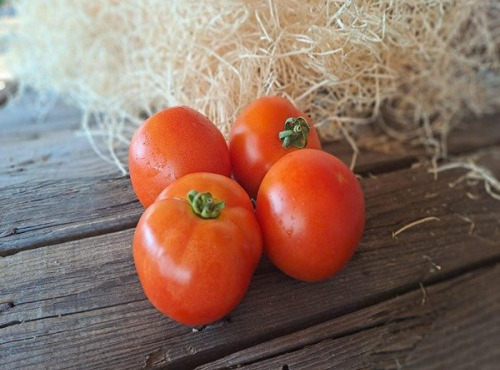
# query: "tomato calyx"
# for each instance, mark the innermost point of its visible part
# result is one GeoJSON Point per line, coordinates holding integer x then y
{"type": "Point", "coordinates": [204, 205]}
{"type": "Point", "coordinates": [295, 133]}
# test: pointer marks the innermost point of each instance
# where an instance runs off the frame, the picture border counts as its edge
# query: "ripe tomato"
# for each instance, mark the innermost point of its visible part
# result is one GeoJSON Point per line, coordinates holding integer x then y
{"type": "Point", "coordinates": [194, 255]}
{"type": "Point", "coordinates": [173, 143]}
{"type": "Point", "coordinates": [265, 131]}
{"type": "Point", "coordinates": [311, 211]}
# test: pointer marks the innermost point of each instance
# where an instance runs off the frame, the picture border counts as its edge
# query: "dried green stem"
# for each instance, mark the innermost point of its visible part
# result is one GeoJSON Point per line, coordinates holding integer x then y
{"type": "Point", "coordinates": [295, 133]}
{"type": "Point", "coordinates": [204, 205]}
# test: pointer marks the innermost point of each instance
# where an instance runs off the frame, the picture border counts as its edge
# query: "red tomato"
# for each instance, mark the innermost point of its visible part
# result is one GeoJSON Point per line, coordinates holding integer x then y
{"type": "Point", "coordinates": [311, 211]}
{"type": "Point", "coordinates": [171, 144]}
{"type": "Point", "coordinates": [195, 256]}
{"type": "Point", "coordinates": [259, 136]}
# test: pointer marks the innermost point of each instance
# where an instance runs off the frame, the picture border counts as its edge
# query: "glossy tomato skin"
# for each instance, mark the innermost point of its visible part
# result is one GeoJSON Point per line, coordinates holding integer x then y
{"type": "Point", "coordinates": [310, 208]}
{"type": "Point", "coordinates": [197, 270]}
{"type": "Point", "coordinates": [171, 144]}
{"type": "Point", "coordinates": [254, 144]}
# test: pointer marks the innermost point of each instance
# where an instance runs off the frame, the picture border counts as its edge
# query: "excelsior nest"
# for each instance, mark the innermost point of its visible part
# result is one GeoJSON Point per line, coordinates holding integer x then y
{"type": "Point", "coordinates": [423, 64]}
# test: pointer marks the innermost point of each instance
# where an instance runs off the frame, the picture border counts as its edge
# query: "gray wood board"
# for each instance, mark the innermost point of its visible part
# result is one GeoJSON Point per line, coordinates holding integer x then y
{"type": "Point", "coordinates": [450, 325]}
{"type": "Point", "coordinates": [66, 192]}
{"type": "Point", "coordinates": [69, 295]}
{"type": "Point", "coordinates": [47, 143]}
{"type": "Point", "coordinates": [42, 213]}
{"type": "Point", "coordinates": [81, 300]}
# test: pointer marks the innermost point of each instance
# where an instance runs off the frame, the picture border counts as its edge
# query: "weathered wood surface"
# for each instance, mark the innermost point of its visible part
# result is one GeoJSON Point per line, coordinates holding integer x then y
{"type": "Point", "coordinates": [53, 211]}
{"type": "Point", "coordinates": [43, 140]}
{"type": "Point", "coordinates": [87, 196]}
{"type": "Point", "coordinates": [69, 295]}
{"type": "Point", "coordinates": [69, 280]}
{"type": "Point", "coordinates": [449, 325]}
{"type": "Point", "coordinates": [54, 146]}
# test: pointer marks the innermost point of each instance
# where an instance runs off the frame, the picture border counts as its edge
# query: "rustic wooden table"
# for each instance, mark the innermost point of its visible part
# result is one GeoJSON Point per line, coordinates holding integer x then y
{"type": "Point", "coordinates": [69, 295]}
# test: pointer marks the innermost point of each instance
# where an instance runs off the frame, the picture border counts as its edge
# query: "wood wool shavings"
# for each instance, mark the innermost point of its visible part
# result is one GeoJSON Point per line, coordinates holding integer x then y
{"type": "Point", "coordinates": [422, 64]}
{"type": "Point", "coordinates": [475, 172]}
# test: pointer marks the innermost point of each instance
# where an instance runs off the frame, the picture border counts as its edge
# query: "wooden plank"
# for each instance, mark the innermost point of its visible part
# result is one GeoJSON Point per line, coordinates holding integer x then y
{"type": "Point", "coordinates": [105, 338]}
{"type": "Point", "coordinates": [471, 135]}
{"type": "Point", "coordinates": [91, 284]}
{"type": "Point", "coordinates": [73, 277]}
{"type": "Point", "coordinates": [62, 154]}
{"type": "Point", "coordinates": [50, 212]}
{"type": "Point", "coordinates": [43, 140]}
{"type": "Point", "coordinates": [79, 201]}
{"type": "Point", "coordinates": [450, 325]}
{"type": "Point", "coordinates": [52, 146]}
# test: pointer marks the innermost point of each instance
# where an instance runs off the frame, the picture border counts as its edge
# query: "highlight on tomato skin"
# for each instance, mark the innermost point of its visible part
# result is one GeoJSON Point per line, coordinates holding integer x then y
{"type": "Point", "coordinates": [310, 207]}
{"type": "Point", "coordinates": [266, 130]}
{"type": "Point", "coordinates": [195, 254]}
{"type": "Point", "coordinates": [170, 144]}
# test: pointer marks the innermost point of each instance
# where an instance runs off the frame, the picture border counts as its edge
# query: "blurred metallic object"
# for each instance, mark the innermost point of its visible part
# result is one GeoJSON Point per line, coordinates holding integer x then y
{"type": "Point", "coordinates": [7, 89]}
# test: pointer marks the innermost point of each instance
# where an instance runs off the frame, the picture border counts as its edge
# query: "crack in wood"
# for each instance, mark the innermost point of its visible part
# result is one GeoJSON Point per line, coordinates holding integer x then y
{"type": "Point", "coordinates": [29, 228]}
{"type": "Point", "coordinates": [124, 225]}
{"type": "Point", "coordinates": [156, 358]}
{"type": "Point", "coordinates": [9, 232]}
{"type": "Point", "coordinates": [10, 323]}
{"type": "Point", "coordinates": [17, 322]}
{"type": "Point", "coordinates": [225, 320]}
{"type": "Point", "coordinates": [4, 307]}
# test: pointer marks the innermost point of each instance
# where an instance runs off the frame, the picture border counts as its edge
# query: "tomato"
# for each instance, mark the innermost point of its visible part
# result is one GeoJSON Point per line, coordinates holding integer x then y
{"type": "Point", "coordinates": [173, 143]}
{"type": "Point", "coordinates": [311, 211]}
{"type": "Point", "coordinates": [265, 131]}
{"type": "Point", "coordinates": [194, 255]}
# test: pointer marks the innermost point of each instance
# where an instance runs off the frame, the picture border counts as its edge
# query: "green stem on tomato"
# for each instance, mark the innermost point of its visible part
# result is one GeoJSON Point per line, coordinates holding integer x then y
{"type": "Point", "coordinates": [295, 133]}
{"type": "Point", "coordinates": [204, 205]}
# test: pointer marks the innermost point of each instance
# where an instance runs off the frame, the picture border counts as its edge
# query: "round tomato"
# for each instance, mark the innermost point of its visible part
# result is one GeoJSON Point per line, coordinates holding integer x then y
{"type": "Point", "coordinates": [311, 211]}
{"type": "Point", "coordinates": [171, 144]}
{"type": "Point", "coordinates": [195, 251]}
{"type": "Point", "coordinates": [265, 131]}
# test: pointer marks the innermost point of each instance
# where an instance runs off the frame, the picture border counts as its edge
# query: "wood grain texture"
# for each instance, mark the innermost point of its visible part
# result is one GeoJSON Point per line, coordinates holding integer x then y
{"type": "Point", "coordinates": [78, 295]}
{"type": "Point", "coordinates": [59, 190]}
{"type": "Point", "coordinates": [69, 295]}
{"type": "Point", "coordinates": [53, 187]}
{"type": "Point", "coordinates": [48, 212]}
{"type": "Point", "coordinates": [449, 325]}
{"type": "Point", "coordinates": [43, 140]}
